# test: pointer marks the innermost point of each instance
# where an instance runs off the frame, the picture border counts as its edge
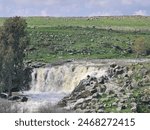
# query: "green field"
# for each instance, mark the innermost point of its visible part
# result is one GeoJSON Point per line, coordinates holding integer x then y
{"type": "Point", "coordinates": [54, 39]}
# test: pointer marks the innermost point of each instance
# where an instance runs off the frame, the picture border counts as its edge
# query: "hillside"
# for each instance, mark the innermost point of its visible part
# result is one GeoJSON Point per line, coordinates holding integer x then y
{"type": "Point", "coordinates": [54, 39]}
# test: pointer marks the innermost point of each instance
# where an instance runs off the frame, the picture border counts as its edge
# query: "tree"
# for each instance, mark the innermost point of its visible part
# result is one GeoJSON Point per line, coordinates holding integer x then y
{"type": "Point", "coordinates": [141, 47]}
{"type": "Point", "coordinates": [13, 43]}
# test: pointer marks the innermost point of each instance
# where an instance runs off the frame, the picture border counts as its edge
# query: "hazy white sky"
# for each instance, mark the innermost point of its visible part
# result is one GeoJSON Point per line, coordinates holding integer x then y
{"type": "Point", "coordinates": [73, 7]}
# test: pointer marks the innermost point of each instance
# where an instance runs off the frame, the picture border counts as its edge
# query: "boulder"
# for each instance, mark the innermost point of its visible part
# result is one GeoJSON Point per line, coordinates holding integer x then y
{"type": "Point", "coordinates": [4, 95]}
{"type": "Point", "coordinates": [14, 98]}
{"type": "Point", "coordinates": [24, 99]}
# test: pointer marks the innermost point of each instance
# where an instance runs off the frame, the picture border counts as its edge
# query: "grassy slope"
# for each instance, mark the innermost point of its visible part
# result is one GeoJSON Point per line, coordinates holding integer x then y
{"type": "Point", "coordinates": [53, 39]}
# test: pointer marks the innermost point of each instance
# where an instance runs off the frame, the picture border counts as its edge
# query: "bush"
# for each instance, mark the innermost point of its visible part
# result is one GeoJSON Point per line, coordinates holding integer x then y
{"type": "Point", "coordinates": [141, 46]}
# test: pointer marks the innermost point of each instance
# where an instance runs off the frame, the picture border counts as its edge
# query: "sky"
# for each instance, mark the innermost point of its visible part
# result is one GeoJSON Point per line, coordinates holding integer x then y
{"type": "Point", "coordinates": [66, 8]}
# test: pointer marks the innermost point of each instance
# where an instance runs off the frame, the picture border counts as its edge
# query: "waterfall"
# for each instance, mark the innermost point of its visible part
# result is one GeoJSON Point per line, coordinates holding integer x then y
{"type": "Point", "coordinates": [62, 78]}
{"type": "Point", "coordinates": [50, 84]}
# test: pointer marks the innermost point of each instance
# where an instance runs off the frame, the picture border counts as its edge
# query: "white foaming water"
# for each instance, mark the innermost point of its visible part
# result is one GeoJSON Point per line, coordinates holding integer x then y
{"type": "Point", "coordinates": [51, 84]}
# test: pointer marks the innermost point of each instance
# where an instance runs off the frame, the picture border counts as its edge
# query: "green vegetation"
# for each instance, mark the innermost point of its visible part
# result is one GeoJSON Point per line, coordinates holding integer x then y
{"type": "Point", "coordinates": [54, 39]}
{"type": "Point", "coordinates": [141, 46]}
{"type": "Point", "coordinates": [58, 43]}
{"type": "Point", "coordinates": [13, 42]}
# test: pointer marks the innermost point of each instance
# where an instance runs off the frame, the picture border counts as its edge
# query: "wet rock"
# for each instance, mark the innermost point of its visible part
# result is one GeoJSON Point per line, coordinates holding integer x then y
{"type": "Point", "coordinates": [14, 98]}
{"type": "Point", "coordinates": [24, 99]}
{"type": "Point", "coordinates": [4, 95]}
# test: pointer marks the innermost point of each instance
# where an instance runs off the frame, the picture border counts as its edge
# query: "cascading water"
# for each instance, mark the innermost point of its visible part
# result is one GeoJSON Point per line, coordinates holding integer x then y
{"type": "Point", "coordinates": [50, 84]}
{"type": "Point", "coordinates": [61, 78]}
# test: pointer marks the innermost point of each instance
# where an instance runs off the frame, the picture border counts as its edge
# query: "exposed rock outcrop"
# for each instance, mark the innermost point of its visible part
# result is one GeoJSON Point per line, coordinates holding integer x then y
{"type": "Point", "coordinates": [115, 92]}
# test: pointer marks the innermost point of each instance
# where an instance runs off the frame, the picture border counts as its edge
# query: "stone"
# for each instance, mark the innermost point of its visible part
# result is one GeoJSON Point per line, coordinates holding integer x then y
{"type": "Point", "coordinates": [80, 101]}
{"type": "Point", "coordinates": [87, 111]}
{"type": "Point", "coordinates": [103, 88]}
{"type": "Point", "coordinates": [79, 110]}
{"type": "Point", "coordinates": [114, 104]}
{"type": "Point", "coordinates": [24, 99]}
{"type": "Point", "coordinates": [87, 107]}
{"type": "Point", "coordinates": [122, 90]}
{"type": "Point", "coordinates": [125, 75]}
{"type": "Point", "coordinates": [81, 86]}
{"type": "Point", "coordinates": [84, 94]}
{"type": "Point", "coordinates": [145, 99]}
{"type": "Point", "coordinates": [88, 99]}
{"type": "Point", "coordinates": [94, 91]}
{"type": "Point", "coordinates": [14, 98]}
{"type": "Point", "coordinates": [96, 95]}
{"type": "Point", "coordinates": [113, 65]}
{"type": "Point", "coordinates": [119, 71]}
{"type": "Point", "coordinates": [37, 64]}
{"type": "Point", "coordinates": [122, 100]}
{"type": "Point", "coordinates": [133, 107]}
{"type": "Point", "coordinates": [100, 111]}
{"type": "Point", "coordinates": [94, 100]}
{"type": "Point", "coordinates": [111, 92]}
{"type": "Point", "coordinates": [101, 106]}
{"type": "Point", "coordinates": [133, 99]}
{"type": "Point", "coordinates": [93, 84]}
{"type": "Point", "coordinates": [62, 103]}
{"type": "Point", "coordinates": [83, 106]}
{"type": "Point", "coordinates": [101, 80]}
{"type": "Point", "coordinates": [144, 71]}
{"type": "Point", "coordinates": [4, 95]}
{"type": "Point", "coordinates": [119, 109]}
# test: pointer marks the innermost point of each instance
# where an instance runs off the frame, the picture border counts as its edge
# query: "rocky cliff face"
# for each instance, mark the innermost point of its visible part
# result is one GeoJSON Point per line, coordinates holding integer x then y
{"type": "Point", "coordinates": [121, 89]}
